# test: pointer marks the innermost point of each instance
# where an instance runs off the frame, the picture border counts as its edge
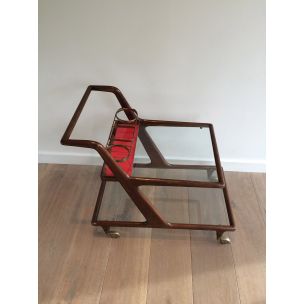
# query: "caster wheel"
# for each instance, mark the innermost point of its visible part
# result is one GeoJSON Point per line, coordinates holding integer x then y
{"type": "Point", "coordinates": [224, 240]}
{"type": "Point", "coordinates": [113, 234]}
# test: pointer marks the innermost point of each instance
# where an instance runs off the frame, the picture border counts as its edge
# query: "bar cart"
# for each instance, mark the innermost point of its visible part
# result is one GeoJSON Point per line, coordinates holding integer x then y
{"type": "Point", "coordinates": [119, 156]}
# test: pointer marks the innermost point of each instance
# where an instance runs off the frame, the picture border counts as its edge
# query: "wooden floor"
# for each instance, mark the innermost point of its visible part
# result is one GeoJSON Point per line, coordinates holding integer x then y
{"type": "Point", "coordinates": [78, 264]}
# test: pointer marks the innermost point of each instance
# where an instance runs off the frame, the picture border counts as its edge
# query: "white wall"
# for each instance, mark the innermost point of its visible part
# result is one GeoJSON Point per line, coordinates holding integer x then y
{"type": "Point", "coordinates": [189, 60]}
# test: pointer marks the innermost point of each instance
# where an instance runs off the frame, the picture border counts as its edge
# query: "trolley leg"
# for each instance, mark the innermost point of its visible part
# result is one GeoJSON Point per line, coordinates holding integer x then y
{"type": "Point", "coordinates": [221, 238]}
{"type": "Point", "coordinates": [111, 233]}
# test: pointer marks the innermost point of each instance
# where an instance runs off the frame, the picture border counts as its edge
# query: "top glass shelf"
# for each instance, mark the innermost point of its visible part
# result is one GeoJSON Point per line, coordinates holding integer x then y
{"type": "Point", "coordinates": [188, 152]}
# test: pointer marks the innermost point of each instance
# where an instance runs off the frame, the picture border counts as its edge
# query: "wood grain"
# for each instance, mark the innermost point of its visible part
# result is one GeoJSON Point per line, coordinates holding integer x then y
{"type": "Point", "coordinates": [55, 199]}
{"type": "Point", "coordinates": [72, 258]}
{"type": "Point", "coordinates": [126, 278]}
{"type": "Point", "coordinates": [170, 279]}
{"type": "Point", "coordinates": [259, 184]}
{"type": "Point", "coordinates": [80, 265]}
{"type": "Point", "coordinates": [213, 269]}
{"type": "Point", "coordinates": [248, 241]}
{"type": "Point", "coordinates": [84, 270]}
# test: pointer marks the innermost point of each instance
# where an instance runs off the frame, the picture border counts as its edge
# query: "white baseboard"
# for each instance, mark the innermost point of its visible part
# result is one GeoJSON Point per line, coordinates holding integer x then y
{"type": "Point", "coordinates": [69, 158]}
{"type": "Point", "coordinates": [239, 165]}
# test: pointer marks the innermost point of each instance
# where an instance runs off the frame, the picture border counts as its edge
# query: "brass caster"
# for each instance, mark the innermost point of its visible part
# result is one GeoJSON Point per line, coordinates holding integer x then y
{"type": "Point", "coordinates": [113, 234]}
{"type": "Point", "coordinates": [224, 240]}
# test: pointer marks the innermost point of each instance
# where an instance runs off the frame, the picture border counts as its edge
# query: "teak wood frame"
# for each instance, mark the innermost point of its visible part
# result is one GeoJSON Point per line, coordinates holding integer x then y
{"type": "Point", "coordinates": [131, 184]}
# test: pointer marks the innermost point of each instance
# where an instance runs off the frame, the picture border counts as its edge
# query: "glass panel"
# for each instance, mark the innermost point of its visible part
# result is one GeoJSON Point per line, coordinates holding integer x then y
{"type": "Point", "coordinates": [209, 175]}
{"type": "Point", "coordinates": [175, 204]}
{"type": "Point", "coordinates": [185, 146]}
{"type": "Point", "coordinates": [117, 205]}
{"type": "Point", "coordinates": [141, 156]}
{"type": "Point", "coordinates": [183, 204]}
{"type": "Point", "coordinates": [189, 205]}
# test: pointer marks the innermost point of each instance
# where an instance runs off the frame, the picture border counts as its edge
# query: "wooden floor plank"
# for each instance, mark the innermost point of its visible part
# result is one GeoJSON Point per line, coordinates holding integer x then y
{"type": "Point", "coordinates": [79, 265]}
{"type": "Point", "coordinates": [55, 201]}
{"type": "Point", "coordinates": [259, 184]}
{"type": "Point", "coordinates": [126, 278]}
{"type": "Point", "coordinates": [50, 185]}
{"type": "Point", "coordinates": [248, 241]}
{"type": "Point", "coordinates": [73, 256]}
{"type": "Point", "coordinates": [84, 269]}
{"type": "Point", "coordinates": [213, 269]}
{"type": "Point", "coordinates": [170, 277]}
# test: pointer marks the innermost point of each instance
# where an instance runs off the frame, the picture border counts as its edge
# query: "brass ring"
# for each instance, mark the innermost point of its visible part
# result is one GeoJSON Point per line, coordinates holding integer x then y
{"type": "Point", "coordinates": [126, 110]}
{"type": "Point", "coordinates": [121, 146]}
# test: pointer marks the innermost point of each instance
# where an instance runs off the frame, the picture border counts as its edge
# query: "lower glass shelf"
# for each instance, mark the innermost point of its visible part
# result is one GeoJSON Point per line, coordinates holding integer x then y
{"type": "Point", "coordinates": [175, 204]}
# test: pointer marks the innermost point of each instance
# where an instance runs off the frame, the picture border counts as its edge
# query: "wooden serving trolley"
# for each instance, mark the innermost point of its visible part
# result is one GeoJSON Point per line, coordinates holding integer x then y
{"type": "Point", "coordinates": [118, 155]}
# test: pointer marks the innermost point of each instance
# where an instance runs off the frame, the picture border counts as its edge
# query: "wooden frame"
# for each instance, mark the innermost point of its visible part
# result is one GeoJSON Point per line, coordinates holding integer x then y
{"type": "Point", "coordinates": [131, 184]}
